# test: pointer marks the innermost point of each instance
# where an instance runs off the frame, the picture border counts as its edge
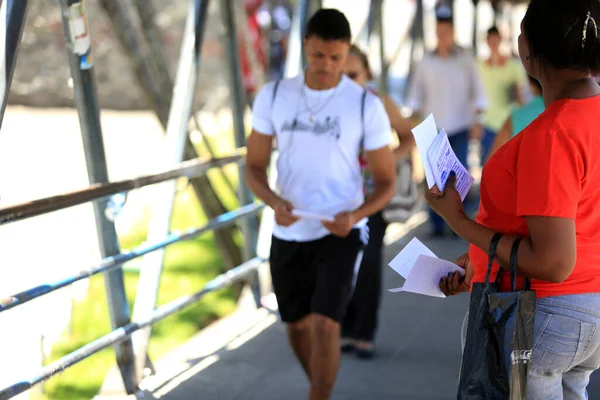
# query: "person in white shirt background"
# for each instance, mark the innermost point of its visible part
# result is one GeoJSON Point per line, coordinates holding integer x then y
{"type": "Point", "coordinates": [447, 83]}
{"type": "Point", "coordinates": [320, 121]}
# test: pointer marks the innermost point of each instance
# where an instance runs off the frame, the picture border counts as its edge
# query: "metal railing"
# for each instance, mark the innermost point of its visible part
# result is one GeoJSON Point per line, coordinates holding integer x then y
{"type": "Point", "coordinates": [131, 353]}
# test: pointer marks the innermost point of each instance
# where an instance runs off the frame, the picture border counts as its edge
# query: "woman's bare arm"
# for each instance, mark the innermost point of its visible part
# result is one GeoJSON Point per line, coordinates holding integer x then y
{"type": "Point", "coordinates": [402, 126]}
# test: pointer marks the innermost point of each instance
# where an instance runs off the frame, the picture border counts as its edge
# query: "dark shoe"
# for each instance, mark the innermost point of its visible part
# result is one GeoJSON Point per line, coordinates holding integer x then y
{"type": "Point", "coordinates": [347, 346]}
{"type": "Point", "coordinates": [365, 350]}
{"type": "Point", "coordinates": [365, 354]}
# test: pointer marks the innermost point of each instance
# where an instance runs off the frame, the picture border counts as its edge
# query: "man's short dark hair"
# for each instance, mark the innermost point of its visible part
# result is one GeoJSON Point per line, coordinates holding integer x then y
{"type": "Point", "coordinates": [493, 31]}
{"type": "Point", "coordinates": [329, 24]}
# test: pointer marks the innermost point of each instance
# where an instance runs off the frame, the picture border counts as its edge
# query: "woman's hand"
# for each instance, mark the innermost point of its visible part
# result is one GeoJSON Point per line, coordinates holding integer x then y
{"type": "Point", "coordinates": [448, 203]}
{"type": "Point", "coordinates": [454, 283]}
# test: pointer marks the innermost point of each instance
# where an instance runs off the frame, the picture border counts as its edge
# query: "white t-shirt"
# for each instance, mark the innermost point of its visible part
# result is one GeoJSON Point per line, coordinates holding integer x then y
{"type": "Point", "coordinates": [450, 88]}
{"type": "Point", "coordinates": [318, 168]}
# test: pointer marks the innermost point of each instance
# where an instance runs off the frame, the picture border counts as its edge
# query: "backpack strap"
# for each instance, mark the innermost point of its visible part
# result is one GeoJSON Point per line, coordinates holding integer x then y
{"type": "Point", "coordinates": [273, 96]}
{"type": "Point", "coordinates": [275, 88]}
{"type": "Point", "coordinates": [362, 117]}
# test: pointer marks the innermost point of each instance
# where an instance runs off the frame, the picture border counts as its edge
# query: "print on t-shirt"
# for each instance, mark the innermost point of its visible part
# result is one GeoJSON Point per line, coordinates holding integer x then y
{"type": "Point", "coordinates": [330, 126]}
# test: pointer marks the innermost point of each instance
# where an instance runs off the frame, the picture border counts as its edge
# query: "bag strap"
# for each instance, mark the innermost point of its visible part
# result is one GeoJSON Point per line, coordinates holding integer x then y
{"type": "Point", "coordinates": [273, 96]}
{"type": "Point", "coordinates": [514, 256]}
{"type": "Point", "coordinates": [492, 255]}
{"type": "Point", "coordinates": [362, 117]}
{"type": "Point", "coordinates": [275, 88]}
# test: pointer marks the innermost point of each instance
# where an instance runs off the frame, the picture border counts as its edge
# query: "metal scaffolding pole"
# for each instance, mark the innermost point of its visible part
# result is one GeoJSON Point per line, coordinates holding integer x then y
{"type": "Point", "coordinates": [81, 63]}
{"type": "Point", "coordinates": [383, 75]}
{"type": "Point", "coordinates": [363, 39]}
{"type": "Point", "coordinates": [417, 37]}
{"type": "Point", "coordinates": [163, 202]}
{"type": "Point", "coordinates": [250, 225]}
{"type": "Point", "coordinates": [475, 26]}
{"type": "Point", "coordinates": [238, 105]}
{"type": "Point", "coordinates": [295, 58]}
{"type": "Point", "coordinates": [13, 14]}
{"type": "Point", "coordinates": [294, 63]}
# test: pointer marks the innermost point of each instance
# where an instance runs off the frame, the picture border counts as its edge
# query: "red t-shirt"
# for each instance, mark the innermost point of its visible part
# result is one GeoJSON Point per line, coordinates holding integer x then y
{"type": "Point", "coordinates": [552, 168]}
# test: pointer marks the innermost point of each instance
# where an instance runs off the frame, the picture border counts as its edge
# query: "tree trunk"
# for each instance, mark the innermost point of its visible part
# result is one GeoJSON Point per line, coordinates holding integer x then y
{"type": "Point", "coordinates": [158, 86]}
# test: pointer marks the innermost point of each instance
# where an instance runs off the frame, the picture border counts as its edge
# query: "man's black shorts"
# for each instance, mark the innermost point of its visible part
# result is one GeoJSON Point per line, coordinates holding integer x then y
{"type": "Point", "coordinates": [316, 276]}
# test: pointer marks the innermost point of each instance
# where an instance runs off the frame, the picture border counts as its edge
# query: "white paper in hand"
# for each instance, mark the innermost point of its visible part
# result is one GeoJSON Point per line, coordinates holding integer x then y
{"type": "Point", "coordinates": [311, 215]}
{"type": "Point", "coordinates": [424, 277]}
{"type": "Point", "coordinates": [405, 260]}
{"type": "Point", "coordinates": [425, 134]}
{"type": "Point", "coordinates": [442, 160]}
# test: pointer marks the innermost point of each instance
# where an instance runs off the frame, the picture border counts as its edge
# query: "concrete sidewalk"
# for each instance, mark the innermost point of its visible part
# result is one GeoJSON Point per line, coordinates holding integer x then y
{"type": "Point", "coordinates": [246, 356]}
{"type": "Point", "coordinates": [418, 351]}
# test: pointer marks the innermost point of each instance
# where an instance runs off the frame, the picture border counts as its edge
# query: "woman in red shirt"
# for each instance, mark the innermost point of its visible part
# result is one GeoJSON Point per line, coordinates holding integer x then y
{"type": "Point", "coordinates": [544, 185]}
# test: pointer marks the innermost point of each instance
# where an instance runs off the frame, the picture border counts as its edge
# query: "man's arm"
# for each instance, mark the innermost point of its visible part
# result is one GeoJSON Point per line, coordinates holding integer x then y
{"type": "Point", "coordinates": [258, 157]}
{"type": "Point", "coordinates": [383, 169]}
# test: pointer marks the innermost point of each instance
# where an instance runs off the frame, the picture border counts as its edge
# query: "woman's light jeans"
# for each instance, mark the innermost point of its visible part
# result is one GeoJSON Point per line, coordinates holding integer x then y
{"type": "Point", "coordinates": [566, 346]}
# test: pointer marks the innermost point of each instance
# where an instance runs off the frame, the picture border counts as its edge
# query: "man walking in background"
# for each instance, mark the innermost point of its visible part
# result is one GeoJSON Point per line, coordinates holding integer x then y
{"type": "Point", "coordinates": [321, 121]}
{"type": "Point", "coordinates": [447, 84]}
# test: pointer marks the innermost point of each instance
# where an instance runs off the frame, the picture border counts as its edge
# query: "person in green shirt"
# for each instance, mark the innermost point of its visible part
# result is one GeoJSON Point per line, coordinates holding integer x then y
{"type": "Point", "coordinates": [503, 78]}
{"type": "Point", "coordinates": [520, 117]}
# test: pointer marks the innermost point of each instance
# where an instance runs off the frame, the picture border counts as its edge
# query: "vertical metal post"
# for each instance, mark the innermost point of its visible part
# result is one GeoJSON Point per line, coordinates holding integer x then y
{"type": "Point", "coordinates": [383, 76]}
{"type": "Point", "coordinates": [81, 63]}
{"type": "Point", "coordinates": [475, 26]}
{"type": "Point", "coordinates": [238, 103]}
{"type": "Point", "coordinates": [294, 62]}
{"type": "Point", "coordinates": [364, 36]}
{"type": "Point", "coordinates": [250, 224]}
{"type": "Point", "coordinates": [13, 14]}
{"type": "Point", "coordinates": [417, 37]}
{"type": "Point", "coordinates": [162, 207]}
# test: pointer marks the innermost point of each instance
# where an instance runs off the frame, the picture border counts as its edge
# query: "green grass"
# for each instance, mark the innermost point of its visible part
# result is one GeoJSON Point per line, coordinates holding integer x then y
{"type": "Point", "coordinates": [188, 267]}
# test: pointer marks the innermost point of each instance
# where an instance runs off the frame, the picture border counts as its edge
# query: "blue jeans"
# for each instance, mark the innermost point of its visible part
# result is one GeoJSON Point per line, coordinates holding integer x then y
{"type": "Point", "coordinates": [566, 347]}
{"type": "Point", "coordinates": [460, 146]}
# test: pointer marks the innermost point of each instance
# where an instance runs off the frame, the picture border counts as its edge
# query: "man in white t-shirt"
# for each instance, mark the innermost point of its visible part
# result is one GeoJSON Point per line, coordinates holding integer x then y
{"type": "Point", "coordinates": [321, 121]}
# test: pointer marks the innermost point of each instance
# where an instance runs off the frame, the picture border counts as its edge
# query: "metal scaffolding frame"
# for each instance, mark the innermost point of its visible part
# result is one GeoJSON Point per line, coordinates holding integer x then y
{"type": "Point", "coordinates": [132, 359]}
